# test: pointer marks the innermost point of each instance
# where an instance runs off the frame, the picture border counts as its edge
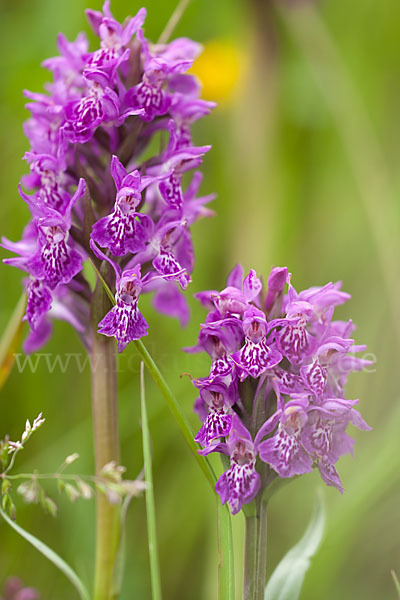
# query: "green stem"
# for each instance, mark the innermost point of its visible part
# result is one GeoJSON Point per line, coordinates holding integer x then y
{"type": "Point", "coordinates": [255, 553]}
{"type": "Point", "coordinates": [150, 504]}
{"type": "Point", "coordinates": [106, 446]}
{"type": "Point", "coordinates": [173, 21]}
{"type": "Point", "coordinates": [176, 410]}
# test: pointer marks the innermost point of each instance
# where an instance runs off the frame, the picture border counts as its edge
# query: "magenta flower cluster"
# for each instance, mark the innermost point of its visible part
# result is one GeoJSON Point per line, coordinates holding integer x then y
{"type": "Point", "coordinates": [110, 144]}
{"type": "Point", "coordinates": [274, 400]}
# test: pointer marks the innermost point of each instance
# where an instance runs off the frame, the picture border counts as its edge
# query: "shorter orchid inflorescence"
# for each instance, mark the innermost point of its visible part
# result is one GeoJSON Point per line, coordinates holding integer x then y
{"type": "Point", "coordinates": [273, 402]}
{"type": "Point", "coordinates": [110, 144]}
{"type": "Point", "coordinates": [14, 589]}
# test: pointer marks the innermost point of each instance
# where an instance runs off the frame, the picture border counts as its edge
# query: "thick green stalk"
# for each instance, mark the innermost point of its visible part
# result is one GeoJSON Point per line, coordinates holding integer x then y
{"type": "Point", "coordinates": [106, 446]}
{"type": "Point", "coordinates": [255, 553]}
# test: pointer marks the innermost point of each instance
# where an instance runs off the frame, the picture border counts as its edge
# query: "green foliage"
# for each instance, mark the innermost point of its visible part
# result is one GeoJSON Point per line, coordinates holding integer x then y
{"type": "Point", "coordinates": [51, 556]}
{"type": "Point", "coordinates": [286, 581]}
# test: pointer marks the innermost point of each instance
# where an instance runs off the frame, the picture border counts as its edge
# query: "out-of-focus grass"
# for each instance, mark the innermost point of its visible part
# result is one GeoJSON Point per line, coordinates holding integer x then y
{"type": "Point", "coordinates": [286, 195]}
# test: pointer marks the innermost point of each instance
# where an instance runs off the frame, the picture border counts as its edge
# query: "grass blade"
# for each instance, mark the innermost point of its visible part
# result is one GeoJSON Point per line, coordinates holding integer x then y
{"type": "Point", "coordinates": [10, 340]}
{"type": "Point", "coordinates": [396, 582]}
{"type": "Point", "coordinates": [226, 567]}
{"type": "Point", "coordinates": [51, 556]}
{"type": "Point", "coordinates": [150, 505]}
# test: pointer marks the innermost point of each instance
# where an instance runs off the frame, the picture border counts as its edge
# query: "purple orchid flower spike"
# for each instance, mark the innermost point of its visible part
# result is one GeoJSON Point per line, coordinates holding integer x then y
{"type": "Point", "coordinates": [294, 403]}
{"type": "Point", "coordinates": [241, 483]}
{"type": "Point", "coordinates": [93, 124]}
{"type": "Point", "coordinates": [102, 104]}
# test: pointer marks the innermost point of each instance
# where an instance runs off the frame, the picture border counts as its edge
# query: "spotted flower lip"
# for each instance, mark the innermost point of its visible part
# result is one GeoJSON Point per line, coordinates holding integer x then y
{"type": "Point", "coordinates": [97, 179]}
{"type": "Point", "coordinates": [218, 398]}
{"type": "Point", "coordinates": [241, 482]}
{"type": "Point", "coordinates": [125, 230]}
{"type": "Point", "coordinates": [124, 321]}
{"type": "Point", "coordinates": [288, 361]}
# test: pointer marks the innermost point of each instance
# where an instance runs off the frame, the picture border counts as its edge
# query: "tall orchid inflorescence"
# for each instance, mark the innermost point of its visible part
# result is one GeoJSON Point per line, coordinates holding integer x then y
{"type": "Point", "coordinates": [110, 143]}
{"type": "Point", "coordinates": [274, 401]}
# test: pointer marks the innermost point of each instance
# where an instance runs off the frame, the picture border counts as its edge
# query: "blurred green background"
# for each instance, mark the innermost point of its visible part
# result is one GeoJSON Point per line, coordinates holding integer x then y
{"type": "Point", "coordinates": [305, 157]}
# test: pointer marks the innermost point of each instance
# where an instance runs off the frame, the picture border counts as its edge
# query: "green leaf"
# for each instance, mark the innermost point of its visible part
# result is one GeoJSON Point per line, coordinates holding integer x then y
{"type": "Point", "coordinates": [396, 582]}
{"type": "Point", "coordinates": [10, 340]}
{"type": "Point", "coordinates": [51, 556]}
{"type": "Point", "coordinates": [150, 504]}
{"type": "Point", "coordinates": [226, 567]}
{"type": "Point", "coordinates": [287, 579]}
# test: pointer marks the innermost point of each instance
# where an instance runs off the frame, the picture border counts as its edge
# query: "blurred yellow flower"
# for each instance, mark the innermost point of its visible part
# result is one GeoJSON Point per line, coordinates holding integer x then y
{"type": "Point", "coordinates": [219, 68]}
